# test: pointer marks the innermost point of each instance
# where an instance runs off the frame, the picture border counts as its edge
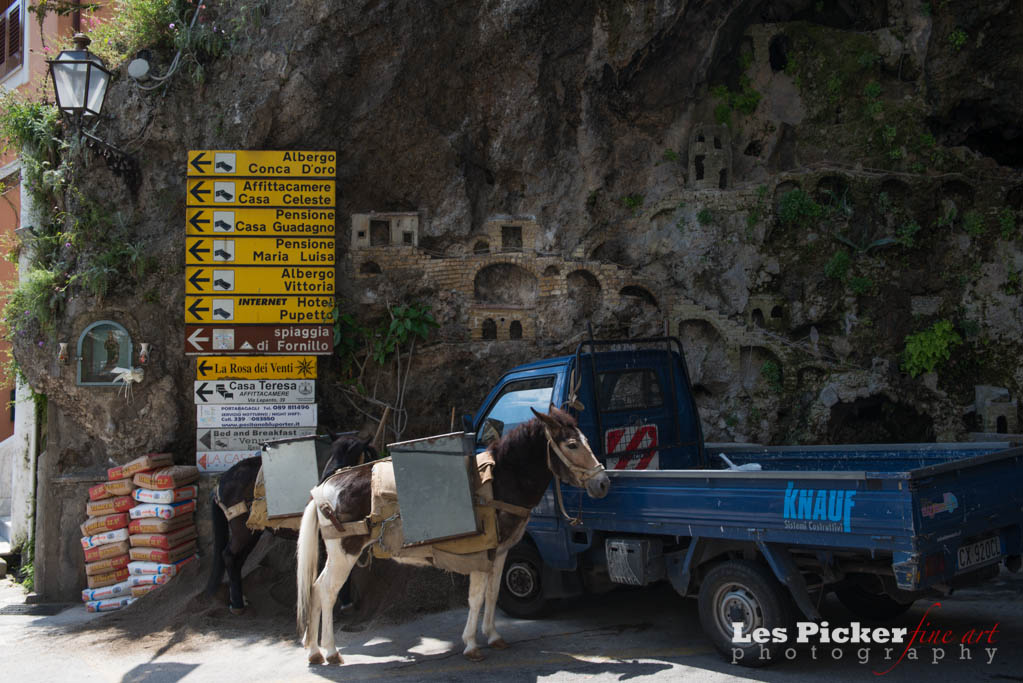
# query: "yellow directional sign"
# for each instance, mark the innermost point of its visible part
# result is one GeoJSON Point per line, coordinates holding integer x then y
{"type": "Point", "coordinates": [295, 309]}
{"type": "Point", "coordinates": [264, 192]}
{"type": "Point", "coordinates": [255, 251]}
{"type": "Point", "coordinates": [259, 280]}
{"type": "Point", "coordinates": [255, 367]}
{"type": "Point", "coordinates": [260, 222]}
{"type": "Point", "coordinates": [243, 162]}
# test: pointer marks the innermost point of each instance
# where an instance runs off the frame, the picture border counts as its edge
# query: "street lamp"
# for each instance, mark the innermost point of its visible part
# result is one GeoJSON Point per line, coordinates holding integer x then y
{"type": "Point", "coordinates": [80, 83]}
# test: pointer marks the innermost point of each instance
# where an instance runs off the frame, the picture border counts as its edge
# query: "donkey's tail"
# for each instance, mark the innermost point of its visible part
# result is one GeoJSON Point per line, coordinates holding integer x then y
{"type": "Point", "coordinates": [220, 534]}
{"type": "Point", "coordinates": [308, 555]}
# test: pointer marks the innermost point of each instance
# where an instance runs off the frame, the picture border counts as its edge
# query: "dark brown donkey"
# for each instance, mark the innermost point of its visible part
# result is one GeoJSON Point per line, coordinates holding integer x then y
{"type": "Point", "coordinates": [525, 461]}
{"type": "Point", "coordinates": [233, 540]}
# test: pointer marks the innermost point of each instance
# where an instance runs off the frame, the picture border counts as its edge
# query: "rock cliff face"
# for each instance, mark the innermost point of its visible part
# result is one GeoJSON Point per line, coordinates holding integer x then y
{"type": "Point", "coordinates": [792, 187]}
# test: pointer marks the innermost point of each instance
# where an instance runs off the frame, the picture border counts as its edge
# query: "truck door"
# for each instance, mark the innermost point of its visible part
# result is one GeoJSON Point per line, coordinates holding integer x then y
{"type": "Point", "coordinates": [509, 405]}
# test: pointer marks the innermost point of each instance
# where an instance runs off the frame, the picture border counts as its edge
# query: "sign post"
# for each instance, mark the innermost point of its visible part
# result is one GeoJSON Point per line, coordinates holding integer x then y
{"type": "Point", "coordinates": [260, 264]}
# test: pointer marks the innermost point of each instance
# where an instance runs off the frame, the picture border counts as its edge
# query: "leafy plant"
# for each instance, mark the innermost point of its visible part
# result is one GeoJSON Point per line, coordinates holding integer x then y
{"type": "Point", "coordinates": [872, 90]}
{"type": "Point", "coordinates": [947, 219]}
{"type": "Point", "coordinates": [633, 202]}
{"type": "Point", "coordinates": [798, 209]}
{"type": "Point", "coordinates": [925, 350]}
{"type": "Point", "coordinates": [1007, 223]}
{"type": "Point", "coordinates": [670, 155]}
{"type": "Point", "coordinates": [906, 233]}
{"type": "Point", "coordinates": [838, 265]}
{"type": "Point", "coordinates": [744, 100]}
{"type": "Point", "coordinates": [957, 39]}
{"type": "Point", "coordinates": [771, 372]}
{"type": "Point", "coordinates": [973, 223]}
{"type": "Point", "coordinates": [705, 217]}
{"type": "Point", "coordinates": [860, 285]}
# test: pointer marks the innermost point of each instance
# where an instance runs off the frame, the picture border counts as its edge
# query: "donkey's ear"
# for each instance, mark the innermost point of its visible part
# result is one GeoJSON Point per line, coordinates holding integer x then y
{"type": "Point", "coordinates": [545, 418]}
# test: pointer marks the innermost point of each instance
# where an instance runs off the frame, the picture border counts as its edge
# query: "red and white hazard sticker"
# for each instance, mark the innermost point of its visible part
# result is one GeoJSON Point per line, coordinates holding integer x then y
{"type": "Point", "coordinates": [621, 444]}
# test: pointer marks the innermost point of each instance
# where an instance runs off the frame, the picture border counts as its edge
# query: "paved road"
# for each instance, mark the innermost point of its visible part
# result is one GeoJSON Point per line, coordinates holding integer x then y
{"type": "Point", "coordinates": [648, 634]}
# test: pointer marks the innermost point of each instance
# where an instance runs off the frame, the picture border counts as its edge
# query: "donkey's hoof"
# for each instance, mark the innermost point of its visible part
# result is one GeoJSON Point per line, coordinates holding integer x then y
{"type": "Point", "coordinates": [316, 659]}
{"type": "Point", "coordinates": [500, 644]}
{"type": "Point", "coordinates": [474, 655]}
{"type": "Point", "coordinates": [335, 659]}
{"type": "Point", "coordinates": [237, 611]}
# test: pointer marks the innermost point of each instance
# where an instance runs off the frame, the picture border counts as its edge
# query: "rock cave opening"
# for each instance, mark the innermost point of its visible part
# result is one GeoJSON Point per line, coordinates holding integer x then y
{"type": "Point", "coordinates": [505, 284]}
{"type": "Point", "coordinates": [370, 268]}
{"type": "Point", "coordinates": [984, 128]}
{"type": "Point", "coordinates": [878, 419]}
{"type": "Point", "coordinates": [777, 52]}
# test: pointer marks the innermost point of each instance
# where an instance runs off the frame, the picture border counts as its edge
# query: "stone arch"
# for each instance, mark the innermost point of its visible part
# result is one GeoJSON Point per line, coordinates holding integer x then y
{"type": "Point", "coordinates": [878, 419]}
{"type": "Point", "coordinates": [641, 293]}
{"type": "Point", "coordinates": [551, 271]}
{"type": "Point", "coordinates": [515, 330]}
{"type": "Point", "coordinates": [777, 312]}
{"type": "Point", "coordinates": [782, 189]}
{"type": "Point", "coordinates": [505, 284]}
{"type": "Point", "coordinates": [831, 189]}
{"type": "Point", "coordinates": [758, 317]}
{"type": "Point", "coordinates": [481, 247]}
{"type": "Point", "coordinates": [959, 192]}
{"type": "Point", "coordinates": [706, 357]}
{"type": "Point", "coordinates": [489, 329]}
{"type": "Point", "coordinates": [583, 291]}
{"type": "Point", "coordinates": [1014, 198]}
{"type": "Point", "coordinates": [370, 268]}
{"type": "Point", "coordinates": [778, 51]}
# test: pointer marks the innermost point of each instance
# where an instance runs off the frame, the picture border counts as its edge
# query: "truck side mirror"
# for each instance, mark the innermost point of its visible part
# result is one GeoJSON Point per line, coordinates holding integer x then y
{"type": "Point", "coordinates": [467, 422]}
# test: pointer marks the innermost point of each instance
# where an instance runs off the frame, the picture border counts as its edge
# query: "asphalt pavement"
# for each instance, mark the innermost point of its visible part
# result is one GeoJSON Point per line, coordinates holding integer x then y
{"type": "Point", "coordinates": [631, 634]}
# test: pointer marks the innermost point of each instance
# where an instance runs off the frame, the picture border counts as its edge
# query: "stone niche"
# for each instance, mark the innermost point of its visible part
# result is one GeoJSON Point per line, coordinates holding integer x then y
{"type": "Point", "coordinates": [996, 409]}
{"type": "Point", "coordinates": [497, 323]}
{"type": "Point", "coordinates": [372, 230]}
{"type": "Point", "coordinates": [503, 234]}
{"type": "Point", "coordinates": [710, 157]}
{"type": "Point", "coordinates": [103, 346]}
{"type": "Point", "coordinates": [766, 311]}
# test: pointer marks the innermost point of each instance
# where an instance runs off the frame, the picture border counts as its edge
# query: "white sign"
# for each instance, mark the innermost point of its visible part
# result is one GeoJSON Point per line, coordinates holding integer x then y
{"type": "Point", "coordinates": [255, 391]}
{"type": "Point", "coordinates": [235, 415]}
{"type": "Point", "coordinates": [221, 461]}
{"type": "Point", "coordinates": [244, 439]}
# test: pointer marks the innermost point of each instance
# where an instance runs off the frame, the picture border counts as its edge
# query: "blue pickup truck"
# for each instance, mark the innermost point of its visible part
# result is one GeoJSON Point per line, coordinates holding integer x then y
{"type": "Point", "coordinates": [758, 534]}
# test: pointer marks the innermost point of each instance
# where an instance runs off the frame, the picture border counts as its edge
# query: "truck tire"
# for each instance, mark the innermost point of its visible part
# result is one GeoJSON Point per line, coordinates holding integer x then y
{"type": "Point", "coordinates": [870, 606]}
{"type": "Point", "coordinates": [746, 592]}
{"type": "Point", "coordinates": [521, 595]}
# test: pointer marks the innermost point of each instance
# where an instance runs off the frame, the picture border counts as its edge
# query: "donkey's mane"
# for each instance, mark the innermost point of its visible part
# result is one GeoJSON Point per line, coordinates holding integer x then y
{"type": "Point", "coordinates": [513, 448]}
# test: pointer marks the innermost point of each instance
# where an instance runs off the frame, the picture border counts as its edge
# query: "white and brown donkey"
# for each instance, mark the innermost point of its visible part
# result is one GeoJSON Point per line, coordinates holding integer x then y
{"type": "Point", "coordinates": [525, 461]}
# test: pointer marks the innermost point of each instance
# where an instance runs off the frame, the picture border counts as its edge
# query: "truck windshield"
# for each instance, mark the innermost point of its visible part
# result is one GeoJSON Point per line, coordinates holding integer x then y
{"type": "Point", "coordinates": [511, 407]}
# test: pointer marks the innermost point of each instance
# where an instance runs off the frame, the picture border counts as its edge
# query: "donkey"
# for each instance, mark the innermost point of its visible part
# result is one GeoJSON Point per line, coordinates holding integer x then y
{"type": "Point", "coordinates": [233, 540]}
{"type": "Point", "coordinates": [523, 470]}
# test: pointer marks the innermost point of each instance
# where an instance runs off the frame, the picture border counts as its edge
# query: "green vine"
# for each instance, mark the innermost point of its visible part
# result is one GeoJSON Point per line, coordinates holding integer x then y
{"type": "Point", "coordinates": [925, 350]}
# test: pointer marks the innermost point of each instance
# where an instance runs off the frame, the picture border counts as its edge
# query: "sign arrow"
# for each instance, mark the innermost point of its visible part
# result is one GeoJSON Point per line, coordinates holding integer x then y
{"type": "Point", "coordinates": [195, 249]}
{"type": "Point", "coordinates": [203, 368]}
{"type": "Point", "coordinates": [197, 220]}
{"type": "Point", "coordinates": [205, 439]}
{"type": "Point", "coordinates": [195, 340]}
{"type": "Point", "coordinates": [199, 162]}
{"type": "Point", "coordinates": [195, 279]}
{"type": "Point", "coordinates": [202, 392]}
{"type": "Point", "coordinates": [195, 308]}
{"type": "Point", "coordinates": [197, 191]}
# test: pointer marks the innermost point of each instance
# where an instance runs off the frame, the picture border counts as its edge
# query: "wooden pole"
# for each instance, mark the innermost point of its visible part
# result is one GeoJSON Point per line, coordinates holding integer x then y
{"type": "Point", "coordinates": [381, 435]}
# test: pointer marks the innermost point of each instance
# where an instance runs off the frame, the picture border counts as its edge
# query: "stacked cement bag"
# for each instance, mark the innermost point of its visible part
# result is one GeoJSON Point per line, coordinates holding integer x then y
{"type": "Point", "coordinates": [161, 531]}
{"type": "Point", "coordinates": [105, 534]}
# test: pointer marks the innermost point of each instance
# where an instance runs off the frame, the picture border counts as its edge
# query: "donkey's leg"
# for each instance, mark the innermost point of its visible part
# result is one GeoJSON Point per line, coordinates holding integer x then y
{"type": "Point", "coordinates": [243, 540]}
{"type": "Point", "coordinates": [494, 638]}
{"type": "Point", "coordinates": [335, 573]}
{"type": "Point", "coordinates": [477, 589]}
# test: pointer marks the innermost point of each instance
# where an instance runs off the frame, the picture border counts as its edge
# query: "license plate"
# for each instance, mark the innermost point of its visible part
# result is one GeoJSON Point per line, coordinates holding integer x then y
{"type": "Point", "coordinates": [981, 552]}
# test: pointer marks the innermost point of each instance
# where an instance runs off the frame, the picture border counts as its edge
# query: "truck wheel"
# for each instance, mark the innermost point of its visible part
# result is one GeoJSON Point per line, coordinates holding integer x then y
{"type": "Point", "coordinates": [521, 593]}
{"type": "Point", "coordinates": [740, 591]}
{"type": "Point", "coordinates": [870, 606]}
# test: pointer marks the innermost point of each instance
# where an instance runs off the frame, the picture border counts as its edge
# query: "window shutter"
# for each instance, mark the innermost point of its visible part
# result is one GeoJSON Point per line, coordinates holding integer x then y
{"type": "Point", "coordinates": [3, 45]}
{"type": "Point", "coordinates": [14, 32]}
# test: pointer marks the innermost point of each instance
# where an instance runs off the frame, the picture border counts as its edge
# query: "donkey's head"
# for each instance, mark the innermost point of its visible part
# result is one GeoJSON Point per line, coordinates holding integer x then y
{"type": "Point", "coordinates": [347, 451]}
{"type": "Point", "coordinates": [574, 461]}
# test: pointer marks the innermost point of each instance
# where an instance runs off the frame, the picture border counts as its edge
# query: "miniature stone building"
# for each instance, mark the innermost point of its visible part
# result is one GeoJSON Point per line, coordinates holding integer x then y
{"type": "Point", "coordinates": [710, 157]}
{"type": "Point", "coordinates": [998, 412]}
